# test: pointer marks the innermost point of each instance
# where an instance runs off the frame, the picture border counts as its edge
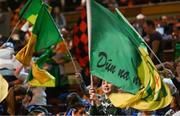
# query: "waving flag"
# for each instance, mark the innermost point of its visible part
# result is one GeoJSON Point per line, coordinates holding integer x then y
{"type": "Point", "coordinates": [113, 57]}
{"type": "Point", "coordinates": [30, 10]}
{"type": "Point", "coordinates": [41, 77]}
{"type": "Point", "coordinates": [44, 35]}
{"type": "Point", "coordinates": [119, 56]}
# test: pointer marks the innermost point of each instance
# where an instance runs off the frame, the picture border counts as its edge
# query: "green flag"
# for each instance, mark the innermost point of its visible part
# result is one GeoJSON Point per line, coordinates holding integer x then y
{"type": "Point", "coordinates": [30, 10]}
{"type": "Point", "coordinates": [113, 56]}
{"type": "Point", "coordinates": [46, 30]}
{"type": "Point", "coordinates": [119, 55]}
{"type": "Point", "coordinates": [44, 35]}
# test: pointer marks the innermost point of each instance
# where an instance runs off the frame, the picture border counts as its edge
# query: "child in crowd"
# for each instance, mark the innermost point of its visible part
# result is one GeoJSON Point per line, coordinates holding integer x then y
{"type": "Point", "coordinates": [101, 104]}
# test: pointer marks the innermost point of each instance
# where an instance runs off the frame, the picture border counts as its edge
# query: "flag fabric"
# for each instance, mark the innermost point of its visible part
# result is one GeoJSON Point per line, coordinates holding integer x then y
{"type": "Point", "coordinates": [39, 76]}
{"type": "Point", "coordinates": [4, 88]}
{"type": "Point", "coordinates": [113, 57]}
{"type": "Point", "coordinates": [80, 45]}
{"type": "Point", "coordinates": [118, 55]}
{"type": "Point", "coordinates": [44, 35]}
{"type": "Point", "coordinates": [25, 54]}
{"type": "Point", "coordinates": [30, 10]}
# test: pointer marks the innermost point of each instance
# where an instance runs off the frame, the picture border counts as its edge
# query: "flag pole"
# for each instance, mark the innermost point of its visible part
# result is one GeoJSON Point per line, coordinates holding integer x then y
{"type": "Point", "coordinates": [77, 74]}
{"type": "Point", "coordinates": [13, 30]}
{"type": "Point", "coordinates": [88, 10]}
{"type": "Point", "coordinates": [74, 65]}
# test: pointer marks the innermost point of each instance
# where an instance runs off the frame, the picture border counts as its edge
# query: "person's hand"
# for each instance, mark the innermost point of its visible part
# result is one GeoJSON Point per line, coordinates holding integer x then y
{"type": "Point", "coordinates": [167, 73]}
{"type": "Point", "coordinates": [93, 96]}
{"type": "Point", "coordinates": [169, 65]}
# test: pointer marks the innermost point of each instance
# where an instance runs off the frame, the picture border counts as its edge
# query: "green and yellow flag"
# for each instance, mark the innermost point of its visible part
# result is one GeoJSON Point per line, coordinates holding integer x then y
{"type": "Point", "coordinates": [44, 35]}
{"type": "Point", "coordinates": [30, 10]}
{"type": "Point", "coordinates": [119, 56]}
{"type": "Point", "coordinates": [39, 76]}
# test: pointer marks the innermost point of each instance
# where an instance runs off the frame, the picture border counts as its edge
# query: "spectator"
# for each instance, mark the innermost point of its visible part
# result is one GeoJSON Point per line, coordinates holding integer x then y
{"type": "Point", "coordinates": [101, 105]}
{"type": "Point", "coordinates": [58, 17]}
{"type": "Point", "coordinates": [153, 38]}
{"type": "Point", "coordinates": [76, 106]}
{"type": "Point", "coordinates": [174, 106]}
{"type": "Point", "coordinates": [140, 19]}
{"type": "Point", "coordinates": [14, 100]}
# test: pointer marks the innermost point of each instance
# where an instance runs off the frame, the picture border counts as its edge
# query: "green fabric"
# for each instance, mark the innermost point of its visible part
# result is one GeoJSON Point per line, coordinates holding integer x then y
{"type": "Point", "coordinates": [40, 62]}
{"type": "Point", "coordinates": [114, 54]}
{"type": "Point", "coordinates": [46, 58]}
{"type": "Point", "coordinates": [31, 7]}
{"type": "Point", "coordinates": [128, 30]}
{"type": "Point", "coordinates": [46, 30]}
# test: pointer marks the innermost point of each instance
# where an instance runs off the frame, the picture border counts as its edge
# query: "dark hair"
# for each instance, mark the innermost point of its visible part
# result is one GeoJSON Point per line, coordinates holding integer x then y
{"type": "Point", "coordinates": [74, 100]}
{"type": "Point", "coordinates": [150, 23]}
{"type": "Point", "coordinates": [19, 90]}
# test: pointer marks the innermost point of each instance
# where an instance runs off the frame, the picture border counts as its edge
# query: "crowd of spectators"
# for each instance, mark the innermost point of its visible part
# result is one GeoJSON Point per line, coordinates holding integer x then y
{"type": "Point", "coordinates": [72, 97]}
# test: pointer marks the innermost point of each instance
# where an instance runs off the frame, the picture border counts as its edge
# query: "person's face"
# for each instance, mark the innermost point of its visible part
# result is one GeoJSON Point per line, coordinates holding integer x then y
{"type": "Point", "coordinates": [141, 21]}
{"type": "Point", "coordinates": [56, 10]}
{"type": "Point", "coordinates": [19, 98]}
{"type": "Point", "coordinates": [106, 87]}
{"type": "Point", "coordinates": [146, 28]}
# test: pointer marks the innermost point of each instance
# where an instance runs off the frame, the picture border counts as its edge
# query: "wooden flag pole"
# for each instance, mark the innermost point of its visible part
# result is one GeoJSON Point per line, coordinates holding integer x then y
{"type": "Point", "coordinates": [11, 33]}
{"type": "Point", "coordinates": [88, 10]}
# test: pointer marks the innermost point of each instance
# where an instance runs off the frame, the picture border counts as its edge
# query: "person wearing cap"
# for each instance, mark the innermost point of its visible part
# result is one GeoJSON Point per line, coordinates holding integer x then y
{"type": "Point", "coordinates": [140, 19]}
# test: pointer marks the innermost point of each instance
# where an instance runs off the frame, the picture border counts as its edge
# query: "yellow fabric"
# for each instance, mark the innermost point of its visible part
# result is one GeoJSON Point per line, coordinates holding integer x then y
{"type": "Point", "coordinates": [3, 88]}
{"type": "Point", "coordinates": [34, 82]}
{"type": "Point", "coordinates": [149, 77]}
{"type": "Point", "coordinates": [41, 77]}
{"type": "Point", "coordinates": [25, 54]}
{"type": "Point", "coordinates": [32, 19]}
